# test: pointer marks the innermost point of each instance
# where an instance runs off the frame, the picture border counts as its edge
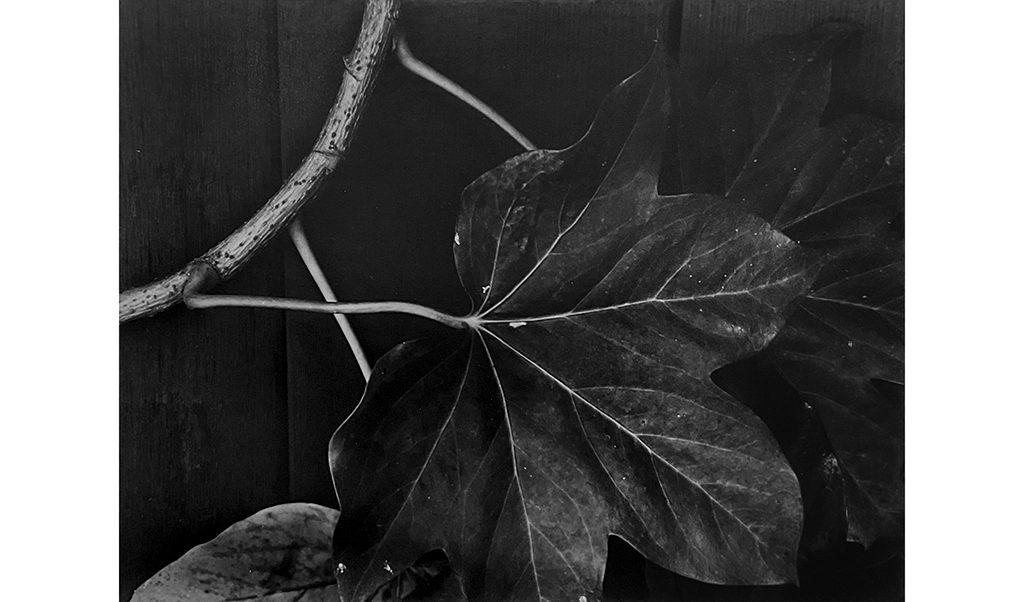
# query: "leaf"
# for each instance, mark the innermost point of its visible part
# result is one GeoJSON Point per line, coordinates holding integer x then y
{"type": "Point", "coordinates": [850, 189]}
{"type": "Point", "coordinates": [578, 402]}
{"type": "Point", "coordinates": [279, 554]}
{"type": "Point", "coordinates": [283, 554]}
{"type": "Point", "coordinates": [848, 332]}
{"type": "Point", "coordinates": [838, 189]}
{"type": "Point", "coordinates": [866, 430]}
{"type": "Point", "coordinates": [802, 437]}
{"type": "Point", "coordinates": [760, 119]}
{"type": "Point", "coordinates": [429, 578]}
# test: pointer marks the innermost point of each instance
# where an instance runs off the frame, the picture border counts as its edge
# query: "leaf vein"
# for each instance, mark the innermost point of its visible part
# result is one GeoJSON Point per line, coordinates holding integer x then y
{"type": "Point", "coordinates": [598, 192]}
{"type": "Point", "coordinates": [515, 465]}
{"type": "Point", "coordinates": [622, 427]}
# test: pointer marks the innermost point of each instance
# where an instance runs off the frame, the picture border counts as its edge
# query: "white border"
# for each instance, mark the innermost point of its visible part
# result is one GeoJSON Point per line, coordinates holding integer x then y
{"type": "Point", "coordinates": [965, 247]}
{"type": "Point", "coordinates": [59, 446]}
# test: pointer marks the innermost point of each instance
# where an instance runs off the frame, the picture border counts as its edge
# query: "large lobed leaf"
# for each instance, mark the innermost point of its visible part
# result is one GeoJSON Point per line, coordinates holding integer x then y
{"type": "Point", "coordinates": [578, 402]}
{"type": "Point", "coordinates": [757, 138]}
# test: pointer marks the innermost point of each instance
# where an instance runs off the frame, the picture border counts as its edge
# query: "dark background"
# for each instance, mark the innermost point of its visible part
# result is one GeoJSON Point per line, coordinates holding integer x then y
{"type": "Point", "coordinates": [226, 411]}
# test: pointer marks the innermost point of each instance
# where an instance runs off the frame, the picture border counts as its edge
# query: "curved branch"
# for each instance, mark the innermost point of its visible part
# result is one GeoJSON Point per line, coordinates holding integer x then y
{"type": "Point", "coordinates": [361, 67]}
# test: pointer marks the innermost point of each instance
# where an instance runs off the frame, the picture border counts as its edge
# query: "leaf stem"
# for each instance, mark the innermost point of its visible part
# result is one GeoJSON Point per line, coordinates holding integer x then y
{"type": "Point", "coordinates": [201, 301]}
{"type": "Point", "coordinates": [298, 236]}
{"type": "Point", "coordinates": [410, 62]}
{"type": "Point", "coordinates": [361, 68]}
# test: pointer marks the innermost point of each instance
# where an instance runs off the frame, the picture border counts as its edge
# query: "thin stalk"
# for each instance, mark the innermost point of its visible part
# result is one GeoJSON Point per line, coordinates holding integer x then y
{"type": "Point", "coordinates": [361, 67]}
{"type": "Point", "coordinates": [410, 62]}
{"type": "Point", "coordinates": [298, 236]}
{"type": "Point", "coordinates": [201, 301]}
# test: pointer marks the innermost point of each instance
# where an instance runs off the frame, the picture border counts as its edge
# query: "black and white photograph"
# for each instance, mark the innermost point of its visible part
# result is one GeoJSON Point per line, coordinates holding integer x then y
{"type": "Point", "coordinates": [518, 300]}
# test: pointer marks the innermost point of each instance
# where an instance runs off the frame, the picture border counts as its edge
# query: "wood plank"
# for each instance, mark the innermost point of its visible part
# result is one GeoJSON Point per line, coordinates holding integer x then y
{"type": "Point", "coordinates": [383, 225]}
{"type": "Point", "coordinates": [202, 406]}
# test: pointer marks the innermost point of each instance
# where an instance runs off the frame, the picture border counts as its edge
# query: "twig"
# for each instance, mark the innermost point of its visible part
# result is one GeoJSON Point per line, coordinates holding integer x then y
{"type": "Point", "coordinates": [201, 301]}
{"type": "Point", "coordinates": [298, 236]}
{"type": "Point", "coordinates": [361, 68]}
{"type": "Point", "coordinates": [410, 62]}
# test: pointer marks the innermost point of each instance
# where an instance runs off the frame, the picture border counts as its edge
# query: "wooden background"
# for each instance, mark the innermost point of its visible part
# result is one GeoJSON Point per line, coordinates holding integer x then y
{"type": "Point", "coordinates": [227, 411]}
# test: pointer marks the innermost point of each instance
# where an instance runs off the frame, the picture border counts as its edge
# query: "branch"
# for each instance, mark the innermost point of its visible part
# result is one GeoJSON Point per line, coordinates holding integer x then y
{"type": "Point", "coordinates": [298, 236]}
{"type": "Point", "coordinates": [361, 67]}
{"type": "Point", "coordinates": [200, 301]}
{"type": "Point", "coordinates": [410, 62]}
